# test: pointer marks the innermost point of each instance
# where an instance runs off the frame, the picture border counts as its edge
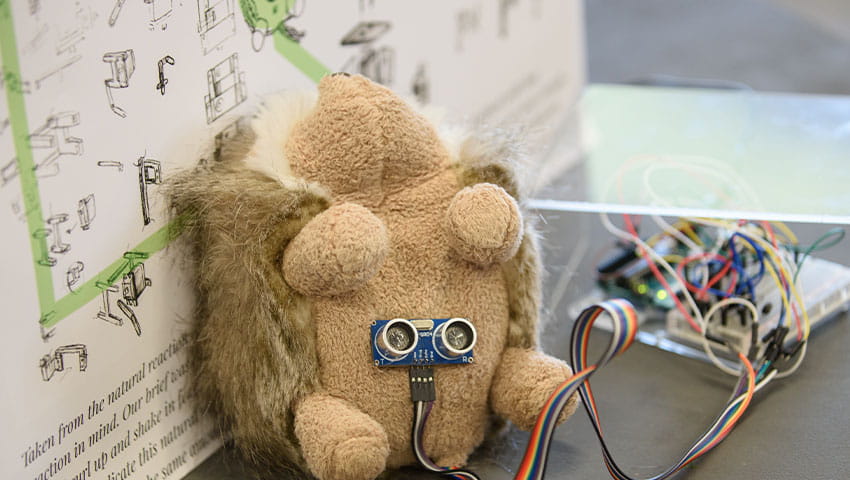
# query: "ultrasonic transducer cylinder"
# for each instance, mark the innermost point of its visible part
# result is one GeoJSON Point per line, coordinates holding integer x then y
{"type": "Point", "coordinates": [396, 339]}
{"type": "Point", "coordinates": [454, 338]}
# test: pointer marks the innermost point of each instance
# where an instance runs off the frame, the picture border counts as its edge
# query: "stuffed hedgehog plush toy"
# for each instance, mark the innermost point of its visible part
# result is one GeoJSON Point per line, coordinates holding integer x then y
{"type": "Point", "coordinates": [341, 209]}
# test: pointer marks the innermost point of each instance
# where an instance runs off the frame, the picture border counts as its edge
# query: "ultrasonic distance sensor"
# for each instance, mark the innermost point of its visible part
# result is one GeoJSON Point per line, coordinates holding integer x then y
{"type": "Point", "coordinates": [455, 338]}
{"type": "Point", "coordinates": [396, 339]}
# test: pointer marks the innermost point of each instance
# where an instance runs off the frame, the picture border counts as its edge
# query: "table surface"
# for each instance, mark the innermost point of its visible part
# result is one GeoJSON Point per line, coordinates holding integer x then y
{"type": "Point", "coordinates": [654, 404]}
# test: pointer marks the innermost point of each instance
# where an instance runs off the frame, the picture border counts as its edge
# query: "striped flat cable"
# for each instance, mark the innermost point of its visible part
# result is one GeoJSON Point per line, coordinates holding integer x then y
{"type": "Point", "coordinates": [625, 326]}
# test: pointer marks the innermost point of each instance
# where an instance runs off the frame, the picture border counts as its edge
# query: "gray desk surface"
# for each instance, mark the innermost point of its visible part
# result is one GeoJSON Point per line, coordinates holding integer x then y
{"type": "Point", "coordinates": [654, 403]}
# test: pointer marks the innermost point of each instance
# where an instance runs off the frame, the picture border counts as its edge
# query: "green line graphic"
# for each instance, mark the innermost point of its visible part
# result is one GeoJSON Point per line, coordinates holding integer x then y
{"type": "Point", "coordinates": [266, 17]}
{"type": "Point", "coordinates": [52, 310]}
{"type": "Point", "coordinates": [299, 57]}
{"type": "Point", "coordinates": [111, 274]}
{"type": "Point", "coordinates": [26, 166]}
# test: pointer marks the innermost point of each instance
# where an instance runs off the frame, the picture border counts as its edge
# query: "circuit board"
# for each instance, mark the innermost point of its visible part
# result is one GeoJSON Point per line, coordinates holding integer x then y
{"type": "Point", "coordinates": [441, 341]}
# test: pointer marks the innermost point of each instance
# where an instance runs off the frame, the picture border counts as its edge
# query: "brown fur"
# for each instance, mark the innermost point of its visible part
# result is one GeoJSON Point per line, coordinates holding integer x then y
{"type": "Point", "coordinates": [253, 352]}
{"type": "Point", "coordinates": [274, 365]}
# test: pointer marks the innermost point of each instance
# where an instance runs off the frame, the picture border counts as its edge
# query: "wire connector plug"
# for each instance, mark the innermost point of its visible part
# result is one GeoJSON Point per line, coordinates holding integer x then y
{"type": "Point", "coordinates": [422, 384]}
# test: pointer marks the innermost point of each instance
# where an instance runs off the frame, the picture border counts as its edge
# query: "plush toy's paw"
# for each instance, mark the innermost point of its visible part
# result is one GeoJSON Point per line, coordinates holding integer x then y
{"type": "Point", "coordinates": [338, 251]}
{"type": "Point", "coordinates": [484, 224]}
{"type": "Point", "coordinates": [338, 441]}
{"type": "Point", "coordinates": [523, 383]}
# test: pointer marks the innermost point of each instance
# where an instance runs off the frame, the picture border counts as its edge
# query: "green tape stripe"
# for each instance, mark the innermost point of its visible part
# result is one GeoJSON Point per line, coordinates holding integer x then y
{"type": "Point", "coordinates": [92, 289]}
{"type": "Point", "coordinates": [295, 53]}
{"type": "Point", "coordinates": [260, 15]}
{"type": "Point", "coordinates": [26, 166]}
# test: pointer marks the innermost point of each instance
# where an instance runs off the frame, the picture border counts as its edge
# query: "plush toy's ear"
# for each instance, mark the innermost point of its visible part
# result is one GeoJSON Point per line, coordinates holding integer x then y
{"type": "Point", "coordinates": [494, 158]}
{"type": "Point", "coordinates": [253, 353]}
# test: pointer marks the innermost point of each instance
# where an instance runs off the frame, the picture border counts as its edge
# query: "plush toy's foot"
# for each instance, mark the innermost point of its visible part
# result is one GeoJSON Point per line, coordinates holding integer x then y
{"type": "Point", "coordinates": [338, 441]}
{"type": "Point", "coordinates": [523, 383]}
{"type": "Point", "coordinates": [484, 224]}
{"type": "Point", "coordinates": [338, 251]}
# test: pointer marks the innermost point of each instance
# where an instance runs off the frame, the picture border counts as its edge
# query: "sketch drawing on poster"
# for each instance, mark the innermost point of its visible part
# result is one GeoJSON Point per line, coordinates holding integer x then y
{"type": "Point", "coordinates": [504, 13]}
{"type": "Point", "coordinates": [86, 211]}
{"type": "Point", "coordinates": [55, 222]}
{"type": "Point", "coordinates": [133, 285]}
{"type": "Point", "coordinates": [44, 257]}
{"type": "Point", "coordinates": [74, 275]}
{"type": "Point", "coordinates": [9, 171]}
{"type": "Point", "coordinates": [160, 66]}
{"type": "Point", "coordinates": [111, 164]}
{"type": "Point", "coordinates": [105, 312]}
{"type": "Point", "coordinates": [375, 62]}
{"type": "Point", "coordinates": [53, 233]}
{"type": "Point", "coordinates": [131, 315]}
{"type": "Point", "coordinates": [216, 23]}
{"type": "Point", "coordinates": [116, 10]}
{"type": "Point", "coordinates": [65, 36]}
{"type": "Point", "coordinates": [158, 12]}
{"type": "Point", "coordinates": [150, 173]}
{"type": "Point", "coordinates": [225, 88]}
{"type": "Point", "coordinates": [58, 360]}
{"type": "Point", "coordinates": [421, 86]}
{"type": "Point", "coordinates": [468, 21]}
{"type": "Point", "coordinates": [37, 83]}
{"type": "Point", "coordinates": [265, 17]}
{"type": "Point", "coordinates": [227, 134]}
{"type": "Point", "coordinates": [56, 44]}
{"type": "Point", "coordinates": [71, 36]}
{"type": "Point", "coordinates": [53, 139]}
{"type": "Point", "coordinates": [122, 64]}
{"type": "Point", "coordinates": [12, 81]}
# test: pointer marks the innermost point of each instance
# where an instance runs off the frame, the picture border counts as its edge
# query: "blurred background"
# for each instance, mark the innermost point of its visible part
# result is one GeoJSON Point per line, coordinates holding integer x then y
{"type": "Point", "coordinates": [770, 45]}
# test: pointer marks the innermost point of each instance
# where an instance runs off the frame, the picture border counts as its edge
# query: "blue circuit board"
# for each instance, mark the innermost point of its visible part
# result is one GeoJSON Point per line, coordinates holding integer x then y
{"type": "Point", "coordinates": [425, 351]}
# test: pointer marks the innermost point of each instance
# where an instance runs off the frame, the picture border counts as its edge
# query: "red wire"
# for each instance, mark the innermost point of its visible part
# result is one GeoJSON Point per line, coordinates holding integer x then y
{"type": "Point", "coordinates": [769, 229]}
{"type": "Point", "coordinates": [701, 293]}
{"type": "Point", "coordinates": [651, 263]}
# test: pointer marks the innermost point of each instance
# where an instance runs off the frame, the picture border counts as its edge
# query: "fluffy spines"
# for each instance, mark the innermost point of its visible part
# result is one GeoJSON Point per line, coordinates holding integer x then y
{"type": "Point", "coordinates": [272, 126]}
{"type": "Point", "coordinates": [253, 353]}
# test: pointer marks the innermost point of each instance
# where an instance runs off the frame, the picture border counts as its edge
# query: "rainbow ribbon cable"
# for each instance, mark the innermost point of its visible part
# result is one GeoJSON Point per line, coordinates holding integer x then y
{"type": "Point", "coordinates": [625, 327]}
{"type": "Point", "coordinates": [420, 416]}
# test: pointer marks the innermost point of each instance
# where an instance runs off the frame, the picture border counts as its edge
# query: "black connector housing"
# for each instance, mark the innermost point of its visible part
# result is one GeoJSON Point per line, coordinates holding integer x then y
{"type": "Point", "coordinates": [422, 384]}
{"type": "Point", "coordinates": [619, 259]}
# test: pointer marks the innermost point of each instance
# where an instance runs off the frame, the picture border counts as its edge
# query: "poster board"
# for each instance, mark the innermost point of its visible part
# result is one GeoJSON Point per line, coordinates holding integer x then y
{"type": "Point", "coordinates": [103, 100]}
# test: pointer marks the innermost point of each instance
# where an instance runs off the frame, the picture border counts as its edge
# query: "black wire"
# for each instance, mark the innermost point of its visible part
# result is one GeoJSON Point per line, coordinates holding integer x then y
{"type": "Point", "coordinates": [418, 427]}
